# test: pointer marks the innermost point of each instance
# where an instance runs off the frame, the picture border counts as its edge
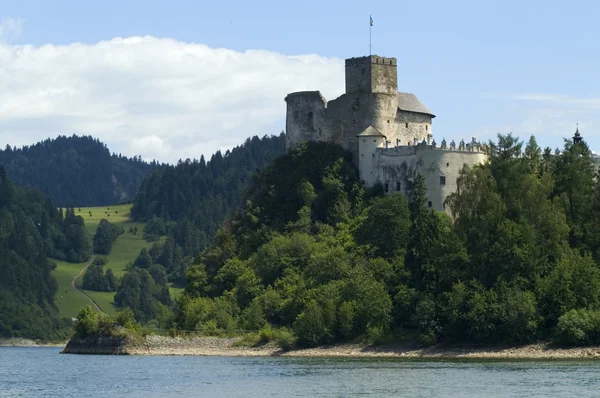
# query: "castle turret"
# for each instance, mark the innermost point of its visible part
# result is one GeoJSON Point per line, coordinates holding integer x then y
{"type": "Point", "coordinates": [368, 141]}
{"type": "Point", "coordinates": [305, 119]}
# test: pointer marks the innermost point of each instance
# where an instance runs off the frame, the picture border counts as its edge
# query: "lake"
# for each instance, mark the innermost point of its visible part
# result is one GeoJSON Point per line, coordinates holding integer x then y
{"type": "Point", "coordinates": [43, 372]}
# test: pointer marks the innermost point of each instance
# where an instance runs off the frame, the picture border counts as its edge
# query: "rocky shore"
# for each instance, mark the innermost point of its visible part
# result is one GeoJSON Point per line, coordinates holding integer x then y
{"type": "Point", "coordinates": [214, 346]}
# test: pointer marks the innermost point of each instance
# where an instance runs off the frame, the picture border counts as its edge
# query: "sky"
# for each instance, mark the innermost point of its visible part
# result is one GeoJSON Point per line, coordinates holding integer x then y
{"type": "Point", "coordinates": [179, 79]}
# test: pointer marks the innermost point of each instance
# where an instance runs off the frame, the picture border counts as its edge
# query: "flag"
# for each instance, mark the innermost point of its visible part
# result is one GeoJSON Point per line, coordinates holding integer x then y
{"type": "Point", "coordinates": [371, 20]}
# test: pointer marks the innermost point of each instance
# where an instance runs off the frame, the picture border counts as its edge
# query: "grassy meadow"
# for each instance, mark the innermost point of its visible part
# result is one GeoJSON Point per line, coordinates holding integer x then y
{"type": "Point", "coordinates": [125, 249]}
{"type": "Point", "coordinates": [67, 299]}
{"type": "Point", "coordinates": [114, 214]}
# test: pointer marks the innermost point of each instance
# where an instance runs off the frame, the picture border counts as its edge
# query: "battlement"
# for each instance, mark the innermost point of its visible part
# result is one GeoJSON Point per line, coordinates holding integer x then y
{"type": "Point", "coordinates": [371, 59]}
{"type": "Point", "coordinates": [431, 145]}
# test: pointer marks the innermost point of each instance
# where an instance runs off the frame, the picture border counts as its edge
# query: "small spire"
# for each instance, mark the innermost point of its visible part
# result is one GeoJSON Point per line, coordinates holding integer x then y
{"type": "Point", "coordinates": [577, 137]}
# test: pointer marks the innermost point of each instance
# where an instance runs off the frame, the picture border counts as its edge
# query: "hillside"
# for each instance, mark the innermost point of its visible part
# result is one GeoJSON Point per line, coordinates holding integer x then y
{"type": "Point", "coordinates": [315, 258]}
{"type": "Point", "coordinates": [191, 200]}
{"type": "Point", "coordinates": [32, 230]}
{"type": "Point", "coordinates": [75, 170]}
{"type": "Point", "coordinates": [124, 250]}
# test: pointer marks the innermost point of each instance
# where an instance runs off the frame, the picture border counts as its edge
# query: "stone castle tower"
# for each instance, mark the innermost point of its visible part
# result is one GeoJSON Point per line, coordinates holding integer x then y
{"type": "Point", "coordinates": [388, 132]}
{"type": "Point", "coordinates": [371, 99]}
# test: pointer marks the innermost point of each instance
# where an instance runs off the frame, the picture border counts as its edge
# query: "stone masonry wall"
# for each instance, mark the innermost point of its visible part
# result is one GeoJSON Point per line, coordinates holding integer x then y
{"type": "Point", "coordinates": [410, 125]}
{"type": "Point", "coordinates": [306, 118]}
{"type": "Point", "coordinates": [397, 167]}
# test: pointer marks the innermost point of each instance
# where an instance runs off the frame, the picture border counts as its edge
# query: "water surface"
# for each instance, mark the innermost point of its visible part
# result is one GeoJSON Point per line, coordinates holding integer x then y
{"type": "Point", "coordinates": [42, 372]}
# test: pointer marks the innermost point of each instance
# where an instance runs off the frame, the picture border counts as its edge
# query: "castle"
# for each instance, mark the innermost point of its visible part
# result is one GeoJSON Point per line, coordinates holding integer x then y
{"type": "Point", "coordinates": [388, 132]}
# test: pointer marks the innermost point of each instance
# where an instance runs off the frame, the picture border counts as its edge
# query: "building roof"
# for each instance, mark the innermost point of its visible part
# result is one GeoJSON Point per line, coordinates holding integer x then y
{"type": "Point", "coordinates": [410, 103]}
{"type": "Point", "coordinates": [370, 132]}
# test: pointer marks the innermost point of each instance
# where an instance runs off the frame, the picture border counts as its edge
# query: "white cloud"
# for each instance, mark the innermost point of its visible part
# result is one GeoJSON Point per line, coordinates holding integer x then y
{"type": "Point", "coordinates": [153, 97]}
{"type": "Point", "coordinates": [10, 29]}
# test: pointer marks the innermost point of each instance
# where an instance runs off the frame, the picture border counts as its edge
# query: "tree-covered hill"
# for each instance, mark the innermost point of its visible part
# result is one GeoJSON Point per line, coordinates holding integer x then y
{"type": "Point", "coordinates": [75, 171]}
{"type": "Point", "coordinates": [32, 229]}
{"type": "Point", "coordinates": [317, 257]}
{"type": "Point", "coordinates": [189, 201]}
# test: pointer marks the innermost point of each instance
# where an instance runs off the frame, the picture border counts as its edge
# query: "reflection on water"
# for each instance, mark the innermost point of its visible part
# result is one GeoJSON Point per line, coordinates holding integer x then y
{"type": "Point", "coordinates": [36, 372]}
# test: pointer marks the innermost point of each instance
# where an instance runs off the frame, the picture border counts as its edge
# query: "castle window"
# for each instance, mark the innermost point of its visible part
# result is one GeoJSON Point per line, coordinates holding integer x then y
{"type": "Point", "coordinates": [426, 127]}
{"type": "Point", "coordinates": [409, 185]}
{"type": "Point", "coordinates": [442, 180]}
{"type": "Point", "coordinates": [363, 71]}
{"type": "Point", "coordinates": [353, 121]}
{"type": "Point", "coordinates": [374, 140]}
{"type": "Point", "coordinates": [406, 124]}
{"type": "Point", "coordinates": [429, 204]}
{"type": "Point", "coordinates": [388, 121]}
{"type": "Point", "coordinates": [447, 164]}
{"type": "Point", "coordinates": [387, 187]}
{"type": "Point", "coordinates": [310, 122]}
{"type": "Point", "coordinates": [397, 185]}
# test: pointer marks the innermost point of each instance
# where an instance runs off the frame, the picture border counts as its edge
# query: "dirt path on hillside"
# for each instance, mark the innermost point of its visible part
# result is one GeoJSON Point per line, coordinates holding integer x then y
{"type": "Point", "coordinates": [81, 272]}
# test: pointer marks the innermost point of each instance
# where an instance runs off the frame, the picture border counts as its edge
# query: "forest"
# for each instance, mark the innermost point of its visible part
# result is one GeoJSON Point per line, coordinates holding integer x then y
{"type": "Point", "coordinates": [185, 204]}
{"type": "Point", "coordinates": [188, 202]}
{"type": "Point", "coordinates": [294, 248]}
{"type": "Point", "coordinates": [317, 258]}
{"type": "Point", "coordinates": [32, 229]}
{"type": "Point", "coordinates": [76, 171]}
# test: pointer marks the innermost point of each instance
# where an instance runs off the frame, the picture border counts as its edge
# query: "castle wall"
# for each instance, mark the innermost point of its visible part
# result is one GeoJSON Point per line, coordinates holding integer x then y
{"type": "Point", "coordinates": [306, 118]}
{"type": "Point", "coordinates": [397, 167]}
{"type": "Point", "coordinates": [384, 75]}
{"type": "Point", "coordinates": [410, 125]}
{"type": "Point", "coordinates": [383, 115]}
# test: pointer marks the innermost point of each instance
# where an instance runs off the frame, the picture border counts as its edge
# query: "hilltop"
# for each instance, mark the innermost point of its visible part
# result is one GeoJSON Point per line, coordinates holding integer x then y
{"type": "Point", "coordinates": [76, 170]}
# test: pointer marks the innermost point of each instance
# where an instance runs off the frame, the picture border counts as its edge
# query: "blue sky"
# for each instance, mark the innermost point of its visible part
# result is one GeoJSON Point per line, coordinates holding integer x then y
{"type": "Point", "coordinates": [483, 67]}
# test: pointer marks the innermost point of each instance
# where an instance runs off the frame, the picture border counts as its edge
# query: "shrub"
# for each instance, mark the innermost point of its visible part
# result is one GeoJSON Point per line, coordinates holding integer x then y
{"type": "Point", "coordinates": [265, 334]}
{"type": "Point", "coordinates": [285, 339]}
{"type": "Point", "coordinates": [90, 323]}
{"type": "Point", "coordinates": [578, 327]}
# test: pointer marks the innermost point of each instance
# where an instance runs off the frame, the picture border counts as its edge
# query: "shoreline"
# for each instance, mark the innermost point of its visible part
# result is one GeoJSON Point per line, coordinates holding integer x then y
{"type": "Point", "coordinates": [29, 343]}
{"type": "Point", "coordinates": [216, 346]}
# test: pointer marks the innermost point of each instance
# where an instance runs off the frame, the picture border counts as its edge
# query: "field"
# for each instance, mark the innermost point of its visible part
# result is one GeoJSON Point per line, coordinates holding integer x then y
{"type": "Point", "coordinates": [124, 250]}
{"type": "Point", "coordinates": [68, 300]}
{"type": "Point", "coordinates": [114, 214]}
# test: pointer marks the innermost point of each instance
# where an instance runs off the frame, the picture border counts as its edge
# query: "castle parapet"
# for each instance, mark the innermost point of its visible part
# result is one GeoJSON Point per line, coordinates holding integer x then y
{"type": "Point", "coordinates": [407, 150]}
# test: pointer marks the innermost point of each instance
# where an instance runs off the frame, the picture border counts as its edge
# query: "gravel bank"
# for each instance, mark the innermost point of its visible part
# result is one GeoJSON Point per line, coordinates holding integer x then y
{"type": "Point", "coordinates": [214, 346]}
